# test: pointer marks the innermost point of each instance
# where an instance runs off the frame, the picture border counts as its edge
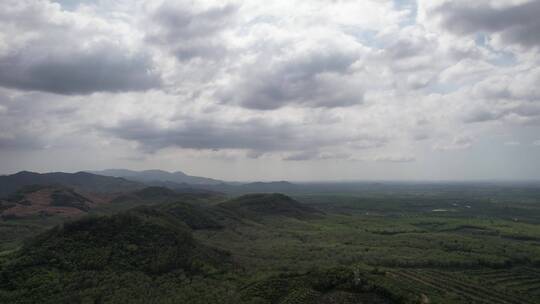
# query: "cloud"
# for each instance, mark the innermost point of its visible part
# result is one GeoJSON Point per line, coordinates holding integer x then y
{"type": "Point", "coordinates": [19, 141]}
{"type": "Point", "coordinates": [316, 155]}
{"type": "Point", "coordinates": [515, 23]}
{"type": "Point", "coordinates": [457, 143]}
{"type": "Point", "coordinates": [536, 143]}
{"type": "Point", "coordinates": [481, 115]}
{"type": "Point", "coordinates": [302, 156]}
{"type": "Point", "coordinates": [504, 111]}
{"type": "Point", "coordinates": [47, 49]}
{"type": "Point", "coordinates": [395, 159]}
{"type": "Point", "coordinates": [199, 134]}
{"type": "Point", "coordinates": [190, 29]}
{"type": "Point", "coordinates": [81, 72]}
{"type": "Point", "coordinates": [251, 134]}
{"type": "Point", "coordinates": [22, 123]}
{"type": "Point", "coordinates": [314, 73]}
{"type": "Point", "coordinates": [516, 85]}
{"type": "Point", "coordinates": [504, 95]}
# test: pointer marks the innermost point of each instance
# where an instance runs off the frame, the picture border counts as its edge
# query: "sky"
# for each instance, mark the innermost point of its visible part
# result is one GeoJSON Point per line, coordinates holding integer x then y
{"type": "Point", "coordinates": [273, 90]}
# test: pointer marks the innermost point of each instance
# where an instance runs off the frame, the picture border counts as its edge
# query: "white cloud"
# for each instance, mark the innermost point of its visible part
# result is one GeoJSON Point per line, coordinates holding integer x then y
{"type": "Point", "coordinates": [395, 159]}
{"type": "Point", "coordinates": [457, 143]}
{"type": "Point", "coordinates": [47, 49]}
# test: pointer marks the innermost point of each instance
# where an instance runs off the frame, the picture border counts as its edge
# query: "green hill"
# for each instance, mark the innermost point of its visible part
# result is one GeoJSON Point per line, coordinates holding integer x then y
{"type": "Point", "coordinates": [268, 204]}
{"type": "Point", "coordinates": [156, 192]}
{"type": "Point", "coordinates": [163, 194]}
{"type": "Point", "coordinates": [195, 216]}
{"type": "Point", "coordinates": [82, 257]}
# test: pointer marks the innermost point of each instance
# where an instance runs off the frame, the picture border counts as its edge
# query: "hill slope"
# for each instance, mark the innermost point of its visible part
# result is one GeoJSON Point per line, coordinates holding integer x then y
{"type": "Point", "coordinates": [79, 181]}
{"type": "Point", "coordinates": [46, 200]}
{"type": "Point", "coordinates": [95, 258]}
{"type": "Point", "coordinates": [156, 195]}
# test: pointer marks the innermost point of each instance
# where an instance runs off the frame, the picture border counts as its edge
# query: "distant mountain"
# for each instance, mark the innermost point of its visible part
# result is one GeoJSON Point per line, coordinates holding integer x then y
{"type": "Point", "coordinates": [158, 176]}
{"type": "Point", "coordinates": [84, 181]}
{"type": "Point", "coordinates": [182, 182]}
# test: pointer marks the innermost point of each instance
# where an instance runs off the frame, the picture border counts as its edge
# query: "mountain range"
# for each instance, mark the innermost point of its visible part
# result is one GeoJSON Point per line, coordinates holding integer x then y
{"type": "Point", "coordinates": [80, 181]}
{"type": "Point", "coordinates": [158, 176]}
{"type": "Point", "coordinates": [118, 181]}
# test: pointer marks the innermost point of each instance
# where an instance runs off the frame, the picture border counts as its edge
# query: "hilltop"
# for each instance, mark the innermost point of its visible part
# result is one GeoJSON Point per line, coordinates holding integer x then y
{"type": "Point", "coordinates": [268, 204]}
{"type": "Point", "coordinates": [46, 200]}
{"type": "Point", "coordinates": [35, 208]}
{"type": "Point", "coordinates": [85, 258]}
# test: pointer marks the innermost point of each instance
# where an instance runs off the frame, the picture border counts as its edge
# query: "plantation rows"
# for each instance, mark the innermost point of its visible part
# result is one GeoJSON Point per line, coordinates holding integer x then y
{"type": "Point", "coordinates": [463, 289]}
{"type": "Point", "coordinates": [523, 280]}
{"type": "Point", "coordinates": [300, 296]}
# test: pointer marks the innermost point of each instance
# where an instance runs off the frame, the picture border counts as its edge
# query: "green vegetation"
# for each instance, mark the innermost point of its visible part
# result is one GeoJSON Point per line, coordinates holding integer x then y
{"type": "Point", "coordinates": [400, 246]}
{"type": "Point", "coordinates": [264, 205]}
{"type": "Point", "coordinates": [142, 243]}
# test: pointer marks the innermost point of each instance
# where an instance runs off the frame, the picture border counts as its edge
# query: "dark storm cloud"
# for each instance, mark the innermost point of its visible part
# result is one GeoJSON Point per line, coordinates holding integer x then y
{"type": "Point", "coordinates": [47, 49]}
{"type": "Point", "coordinates": [302, 156]}
{"type": "Point", "coordinates": [318, 78]}
{"type": "Point", "coordinates": [106, 69]}
{"type": "Point", "coordinates": [517, 24]}
{"type": "Point", "coordinates": [254, 135]}
{"type": "Point", "coordinates": [190, 33]}
{"type": "Point", "coordinates": [198, 134]}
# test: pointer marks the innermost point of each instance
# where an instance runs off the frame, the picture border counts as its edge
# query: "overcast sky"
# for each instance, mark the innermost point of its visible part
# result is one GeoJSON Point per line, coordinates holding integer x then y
{"type": "Point", "coordinates": [273, 90]}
